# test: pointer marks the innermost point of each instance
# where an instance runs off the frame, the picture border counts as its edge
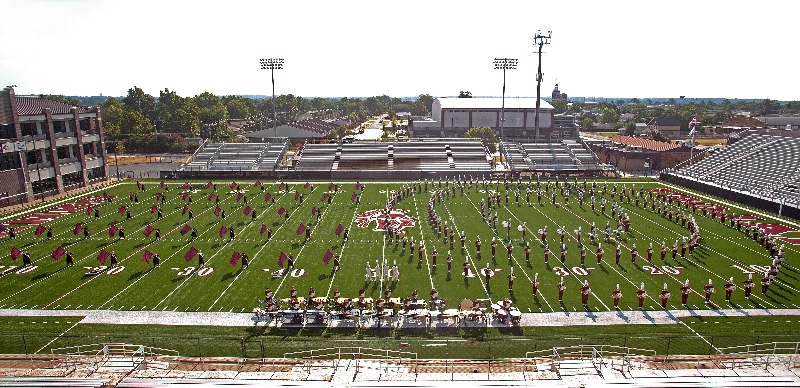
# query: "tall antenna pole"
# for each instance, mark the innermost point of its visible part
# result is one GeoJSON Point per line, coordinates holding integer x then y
{"type": "Point", "coordinates": [504, 64]}
{"type": "Point", "coordinates": [273, 64]}
{"type": "Point", "coordinates": [539, 40]}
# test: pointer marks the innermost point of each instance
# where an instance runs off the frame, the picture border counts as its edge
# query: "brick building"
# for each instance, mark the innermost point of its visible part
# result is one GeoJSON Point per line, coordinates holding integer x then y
{"type": "Point", "coordinates": [48, 147]}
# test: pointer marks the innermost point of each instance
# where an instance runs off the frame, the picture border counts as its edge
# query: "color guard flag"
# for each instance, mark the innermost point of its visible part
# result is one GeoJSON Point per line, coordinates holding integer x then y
{"type": "Point", "coordinates": [223, 230]}
{"type": "Point", "coordinates": [233, 184]}
{"type": "Point", "coordinates": [40, 230]}
{"type": "Point", "coordinates": [185, 184]}
{"type": "Point", "coordinates": [296, 195]}
{"type": "Point", "coordinates": [263, 229]}
{"type": "Point", "coordinates": [314, 211]}
{"type": "Point", "coordinates": [301, 229]}
{"type": "Point", "coordinates": [159, 195]}
{"type": "Point", "coordinates": [339, 230]}
{"type": "Point", "coordinates": [138, 184]}
{"type": "Point", "coordinates": [258, 183]}
{"type": "Point", "coordinates": [102, 256]}
{"type": "Point", "coordinates": [186, 229]}
{"type": "Point", "coordinates": [209, 185]}
{"type": "Point", "coordinates": [130, 195]}
{"type": "Point", "coordinates": [239, 197]}
{"type": "Point", "coordinates": [185, 209]}
{"type": "Point", "coordinates": [282, 185]}
{"type": "Point", "coordinates": [78, 229]}
{"type": "Point", "coordinates": [60, 251]}
{"type": "Point", "coordinates": [327, 258]}
{"type": "Point", "coordinates": [15, 252]}
{"type": "Point", "coordinates": [217, 211]}
{"type": "Point", "coordinates": [358, 185]}
{"type": "Point", "coordinates": [122, 210]}
{"type": "Point", "coordinates": [282, 259]}
{"type": "Point", "coordinates": [211, 196]}
{"type": "Point", "coordinates": [307, 185]}
{"type": "Point", "coordinates": [692, 126]}
{"type": "Point", "coordinates": [153, 209]}
{"type": "Point", "coordinates": [190, 253]}
{"type": "Point", "coordinates": [247, 210]}
{"type": "Point", "coordinates": [112, 230]}
{"type": "Point", "coordinates": [105, 196]}
{"type": "Point", "coordinates": [89, 210]}
{"type": "Point", "coordinates": [2, 228]}
{"type": "Point", "coordinates": [235, 258]}
{"type": "Point", "coordinates": [331, 186]}
{"type": "Point", "coordinates": [324, 197]}
{"type": "Point", "coordinates": [267, 197]}
{"type": "Point", "coordinates": [353, 197]}
{"type": "Point", "coordinates": [281, 211]}
{"type": "Point", "coordinates": [185, 195]}
{"type": "Point", "coordinates": [147, 230]}
{"type": "Point", "coordinates": [147, 255]}
{"type": "Point", "coordinates": [161, 184]}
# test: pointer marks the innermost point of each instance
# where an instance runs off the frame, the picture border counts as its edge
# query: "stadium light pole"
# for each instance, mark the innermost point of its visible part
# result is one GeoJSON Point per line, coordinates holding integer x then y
{"type": "Point", "coordinates": [273, 64]}
{"type": "Point", "coordinates": [504, 64]}
{"type": "Point", "coordinates": [539, 40]}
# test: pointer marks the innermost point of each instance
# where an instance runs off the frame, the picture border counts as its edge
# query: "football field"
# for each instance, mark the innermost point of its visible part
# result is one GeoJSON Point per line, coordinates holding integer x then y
{"type": "Point", "coordinates": [284, 210]}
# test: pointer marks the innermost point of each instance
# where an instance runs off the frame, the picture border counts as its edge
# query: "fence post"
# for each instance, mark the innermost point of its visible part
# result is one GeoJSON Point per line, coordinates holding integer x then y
{"type": "Point", "coordinates": [25, 344]}
{"type": "Point", "coordinates": [244, 351]}
{"type": "Point", "coordinates": [711, 346]}
{"type": "Point", "coordinates": [669, 340]}
{"type": "Point", "coordinates": [262, 348]}
{"type": "Point", "coordinates": [199, 352]}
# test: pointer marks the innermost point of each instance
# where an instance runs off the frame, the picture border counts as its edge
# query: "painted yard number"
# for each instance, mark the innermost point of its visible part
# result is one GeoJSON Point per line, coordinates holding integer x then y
{"type": "Point", "coordinates": [205, 271]}
{"type": "Point", "coordinates": [578, 271]}
{"type": "Point", "coordinates": [663, 270]}
{"type": "Point", "coordinates": [753, 268]}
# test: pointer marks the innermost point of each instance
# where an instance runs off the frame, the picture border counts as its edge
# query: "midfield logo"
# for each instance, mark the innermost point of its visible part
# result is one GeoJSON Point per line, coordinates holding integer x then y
{"type": "Point", "coordinates": [397, 218]}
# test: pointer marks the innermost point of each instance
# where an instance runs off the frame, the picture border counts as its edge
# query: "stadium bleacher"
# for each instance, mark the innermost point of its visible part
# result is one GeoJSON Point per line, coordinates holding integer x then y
{"type": "Point", "coordinates": [566, 156]}
{"type": "Point", "coordinates": [237, 157]}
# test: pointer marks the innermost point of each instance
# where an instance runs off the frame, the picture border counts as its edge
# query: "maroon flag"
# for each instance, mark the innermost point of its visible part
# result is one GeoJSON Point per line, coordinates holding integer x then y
{"type": "Point", "coordinates": [235, 258]}
{"type": "Point", "coordinates": [258, 183]}
{"type": "Point", "coordinates": [122, 210]}
{"type": "Point", "coordinates": [358, 185]}
{"type": "Point", "coordinates": [190, 253]}
{"type": "Point", "coordinates": [39, 230]}
{"type": "Point", "coordinates": [186, 229]}
{"type": "Point", "coordinates": [223, 230]}
{"type": "Point", "coordinates": [327, 257]}
{"type": "Point", "coordinates": [324, 197]}
{"type": "Point", "coordinates": [159, 195]}
{"type": "Point", "coordinates": [89, 210]}
{"type": "Point", "coordinates": [15, 252]}
{"type": "Point", "coordinates": [153, 209]}
{"type": "Point", "coordinates": [307, 185]}
{"type": "Point", "coordinates": [185, 209]}
{"type": "Point", "coordinates": [263, 229]}
{"type": "Point", "coordinates": [185, 195]}
{"type": "Point", "coordinates": [161, 184]}
{"type": "Point", "coordinates": [301, 229]}
{"type": "Point", "coordinates": [112, 230]}
{"type": "Point", "coordinates": [282, 259]}
{"type": "Point", "coordinates": [217, 211]}
{"type": "Point", "coordinates": [60, 251]}
{"type": "Point", "coordinates": [130, 195]}
{"type": "Point", "coordinates": [78, 229]}
{"type": "Point", "coordinates": [353, 197]}
{"type": "Point", "coordinates": [2, 228]}
{"type": "Point", "coordinates": [233, 184]}
{"type": "Point", "coordinates": [247, 210]}
{"type": "Point", "coordinates": [282, 185]}
{"type": "Point", "coordinates": [102, 256]}
{"type": "Point", "coordinates": [339, 230]}
{"type": "Point", "coordinates": [147, 255]}
{"type": "Point", "coordinates": [281, 211]}
{"type": "Point", "coordinates": [105, 196]}
{"type": "Point", "coordinates": [314, 211]}
{"type": "Point", "coordinates": [267, 197]}
{"type": "Point", "coordinates": [209, 185]}
{"type": "Point", "coordinates": [239, 197]}
{"type": "Point", "coordinates": [296, 195]}
{"type": "Point", "coordinates": [331, 186]}
{"type": "Point", "coordinates": [149, 229]}
{"type": "Point", "coordinates": [185, 184]}
{"type": "Point", "coordinates": [211, 196]}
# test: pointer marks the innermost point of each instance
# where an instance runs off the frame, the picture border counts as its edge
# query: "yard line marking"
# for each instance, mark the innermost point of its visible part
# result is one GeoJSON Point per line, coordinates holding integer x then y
{"type": "Point", "coordinates": [422, 241]}
{"type": "Point", "coordinates": [345, 244]}
{"type": "Point", "coordinates": [54, 339]}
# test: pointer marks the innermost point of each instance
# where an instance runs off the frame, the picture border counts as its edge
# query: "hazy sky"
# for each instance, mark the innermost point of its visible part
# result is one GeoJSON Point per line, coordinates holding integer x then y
{"type": "Point", "coordinates": [732, 49]}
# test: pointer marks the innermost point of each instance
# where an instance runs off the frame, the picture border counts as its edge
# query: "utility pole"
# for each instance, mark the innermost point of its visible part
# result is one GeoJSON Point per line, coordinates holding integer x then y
{"type": "Point", "coordinates": [539, 40]}
{"type": "Point", "coordinates": [273, 64]}
{"type": "Point", "coordinates": [504, 64]}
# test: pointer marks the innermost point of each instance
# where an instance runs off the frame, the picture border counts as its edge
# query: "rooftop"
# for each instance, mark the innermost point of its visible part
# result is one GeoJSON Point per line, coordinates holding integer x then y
{"type": "Point", "coordinates": [492, 103]}
{"type": "Point", "coordinates": [29, 106]}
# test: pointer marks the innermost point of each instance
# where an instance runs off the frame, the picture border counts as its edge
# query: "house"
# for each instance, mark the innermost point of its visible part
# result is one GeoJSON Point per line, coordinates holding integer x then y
{"type": "Point", "coordinates": [669, 127]}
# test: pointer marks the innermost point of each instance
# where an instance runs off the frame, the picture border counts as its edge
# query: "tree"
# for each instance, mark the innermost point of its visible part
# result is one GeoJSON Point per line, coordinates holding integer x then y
{"type": "Point", "coordinates": [238, 107]}
{"type": "Point", "coordinates": [630, 128]}
{"type": "Point", "coordinates": [178, 114]}
{"type": "Point", "coordinates": [427, 101]}
{"type": "Point", "coordinates": [212, 115]}
{"type": "Point", "coordinates": [559, 106]}
{"type": "Point", "coordinates": [464, 94]}
{"type": "Point", "coordinates": [486, 135]}
{"type": "Point", "coordinates": [587, 124]}
{"type": "Point", "coordinates": [658, 136]}
{"type": "Point", "coordinates": [608, 115]}
{"type": "Point", "coordinates": [141, 102]}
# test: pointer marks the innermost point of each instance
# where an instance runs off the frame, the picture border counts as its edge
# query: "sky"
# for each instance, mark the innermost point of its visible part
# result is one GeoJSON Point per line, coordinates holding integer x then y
{"type": "Point", "coordinates": [609, 49]}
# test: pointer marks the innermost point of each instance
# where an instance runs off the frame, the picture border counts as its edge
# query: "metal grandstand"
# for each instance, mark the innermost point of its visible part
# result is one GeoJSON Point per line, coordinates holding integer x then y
{"type": "Point", "coordinates": [567, 157]}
